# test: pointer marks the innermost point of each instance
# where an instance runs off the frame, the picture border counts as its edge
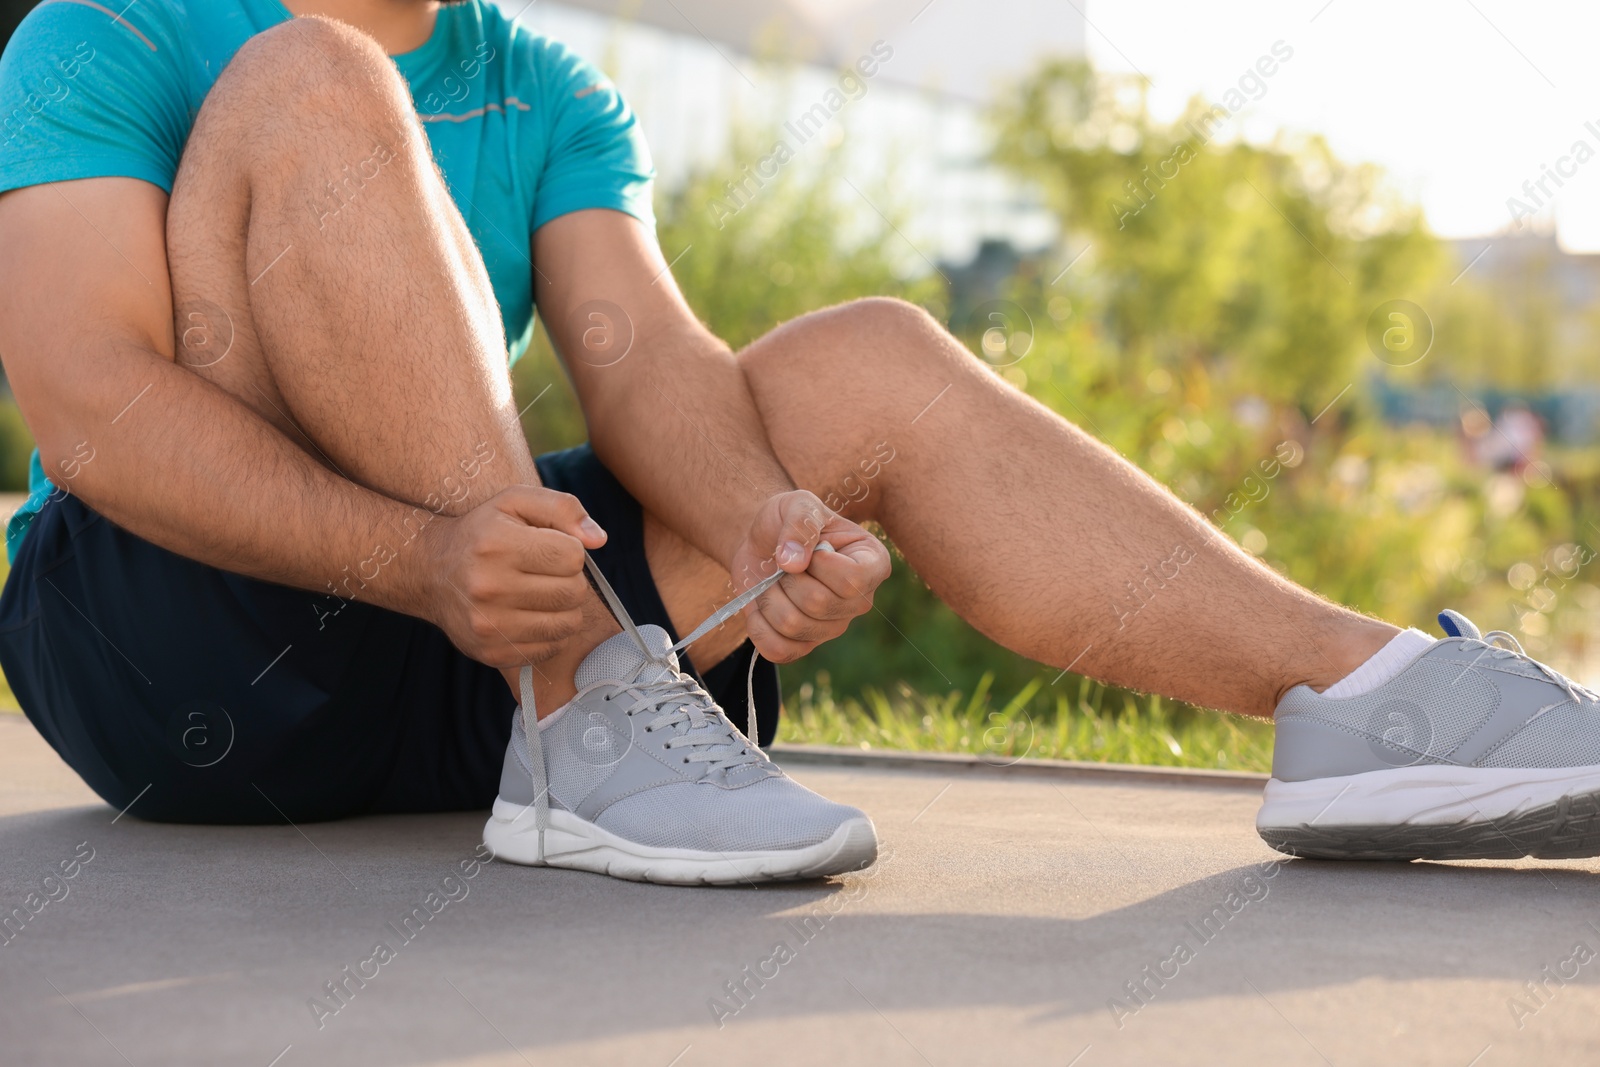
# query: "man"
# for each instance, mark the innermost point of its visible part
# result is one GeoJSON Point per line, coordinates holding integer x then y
{"type": "Point", "coordinates": [288, 556]}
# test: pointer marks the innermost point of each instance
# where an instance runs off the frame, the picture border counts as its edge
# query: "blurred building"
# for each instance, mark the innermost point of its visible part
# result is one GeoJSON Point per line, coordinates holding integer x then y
{"type": "Point", "coordinates": [960, 49]}
{"type": "Point", "coordinates": [1538, 279]}
{"type": "Point", "coordinates": [1569, 415]}
{"type": "Point", "coordinates": [912, 138]}
{"type": "Point", "coordinates": [1548, 365]}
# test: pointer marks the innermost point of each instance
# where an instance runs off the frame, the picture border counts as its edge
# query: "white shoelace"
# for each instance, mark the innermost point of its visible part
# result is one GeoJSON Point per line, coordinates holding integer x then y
{"type": "Point", "coordinates": [1578, 693]}
{"type": "Point", "coordinates": [677, 697]}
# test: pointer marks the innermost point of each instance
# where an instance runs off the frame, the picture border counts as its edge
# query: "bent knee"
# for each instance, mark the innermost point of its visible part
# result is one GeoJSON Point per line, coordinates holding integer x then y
{"type": "Point", "coordinates": [886, 319]}
{"type": "Point", "coordinates": [308, 68]}
{"type": "Point", "coordinates": [306, 49]}
{"type": "Point", "coordinates": [874, 337]}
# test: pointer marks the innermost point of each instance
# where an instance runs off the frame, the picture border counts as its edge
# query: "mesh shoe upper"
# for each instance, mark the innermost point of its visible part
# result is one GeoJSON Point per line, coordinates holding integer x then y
{"type": "Point", "coordinates": [1567, 736]}
{"type": "Point", "coordinates": [643, 752]}
{"type": "Point", "coordinates": [1470, 700]}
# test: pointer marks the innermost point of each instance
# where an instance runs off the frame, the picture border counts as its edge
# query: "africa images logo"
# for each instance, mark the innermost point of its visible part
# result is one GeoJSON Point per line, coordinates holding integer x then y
{"type": "Point", "coordinates": [200, 733]}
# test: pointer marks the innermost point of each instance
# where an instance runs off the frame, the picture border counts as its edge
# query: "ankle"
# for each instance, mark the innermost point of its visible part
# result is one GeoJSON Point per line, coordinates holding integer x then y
{"type": "Point", "coordinates": [553, 685]}
{"type": "Point", "coordinates": [1331, 659]}
{"type": "Point", "coordinates": [549, 694]}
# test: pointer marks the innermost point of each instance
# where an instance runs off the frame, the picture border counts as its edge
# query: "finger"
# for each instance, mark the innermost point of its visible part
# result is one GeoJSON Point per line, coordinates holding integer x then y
{"type": "Point", "coordinates": [803, 520]}
{"type": "Point", "coordinates": [816, 599]}
{"type": "Point", "coordinates": [771, 644]}
{"type": "Point", "coordinates": [527, 592]}
{"type": "Point", "coordinates": [542, 552]}
{"type": "Point", "coordinates": [850, 573]}
{"type": "Point", "coordinates": [551, 510]}
{"type": "Point", "coordinates": [789, 621]}
{"type": "Point", "coordinates": [753, 575]}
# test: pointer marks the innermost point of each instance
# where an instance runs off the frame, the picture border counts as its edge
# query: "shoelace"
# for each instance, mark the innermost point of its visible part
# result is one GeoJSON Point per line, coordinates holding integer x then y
{"type": "Point", "coordinates": [679, 699]}
{"type": "Point", "coordinates": [1577, 692]}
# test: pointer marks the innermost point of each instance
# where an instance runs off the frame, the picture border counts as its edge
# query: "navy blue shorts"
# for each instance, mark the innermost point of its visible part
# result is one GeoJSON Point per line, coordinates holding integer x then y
{"type": "Point", "coordinates": [196, 695]}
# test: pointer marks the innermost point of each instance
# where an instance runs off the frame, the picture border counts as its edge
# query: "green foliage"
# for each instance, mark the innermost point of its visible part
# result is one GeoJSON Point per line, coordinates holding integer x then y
{"type": "Point", "coordinates": [1505, 331]}
{"type": "Point", "coordinates": [795, 246]}
{"type": "Point", "coordinates": [16, 445]}
{"type": "Point", "coordinates": [1218, 328]}
{"type": "Point", "coordinates": [551, 417]}
{"type": "Point", "coordinates": [1262, 263]}
{"type": "Point", "coordinates": [1200, 336]}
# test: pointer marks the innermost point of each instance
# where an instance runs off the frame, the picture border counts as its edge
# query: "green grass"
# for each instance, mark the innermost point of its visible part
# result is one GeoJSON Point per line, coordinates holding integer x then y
{"type": "Point", "coordinates": [1083, 722]}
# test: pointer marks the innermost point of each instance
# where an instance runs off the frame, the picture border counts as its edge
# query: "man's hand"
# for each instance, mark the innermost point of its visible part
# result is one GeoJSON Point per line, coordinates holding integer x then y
{"type": "Point", "coordinates": [505, 581]}
{"type": "Point", "coordinates": [670, 413]}
{"type": "Point", "coordinates": [823, 590]}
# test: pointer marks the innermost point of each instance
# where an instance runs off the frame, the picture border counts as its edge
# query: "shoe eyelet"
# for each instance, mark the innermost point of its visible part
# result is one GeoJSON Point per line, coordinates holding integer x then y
{"type": "Point", "coordinates": [686, 759]}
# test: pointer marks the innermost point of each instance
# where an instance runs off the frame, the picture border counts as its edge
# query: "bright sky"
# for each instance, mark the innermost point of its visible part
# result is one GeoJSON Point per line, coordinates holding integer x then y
{"type": "Point", "coordinates": [1462, 101]}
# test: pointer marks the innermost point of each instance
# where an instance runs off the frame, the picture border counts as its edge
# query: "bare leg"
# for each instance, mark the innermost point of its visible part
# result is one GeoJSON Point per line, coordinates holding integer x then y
{"type": "Point", "coordinates": [322, 274]}
{"type": "Point", "coordinates": [1038, 535]}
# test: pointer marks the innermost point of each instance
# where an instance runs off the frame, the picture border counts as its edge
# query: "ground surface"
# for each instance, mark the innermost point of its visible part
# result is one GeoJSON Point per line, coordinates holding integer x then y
{"type": "Point", "coordinates": [1005, 916]}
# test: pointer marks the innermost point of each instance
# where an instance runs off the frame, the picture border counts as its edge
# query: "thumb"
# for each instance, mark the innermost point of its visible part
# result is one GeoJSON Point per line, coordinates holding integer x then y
{"type": "Point", "coordinates": [803, 518]}
{"type": "Point", "coordinates": [550, 510]}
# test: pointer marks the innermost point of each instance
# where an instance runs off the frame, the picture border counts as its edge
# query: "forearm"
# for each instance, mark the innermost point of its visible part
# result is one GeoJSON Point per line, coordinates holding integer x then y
{"type": "Point", "coordinates": [681, 431]}
{"type": "Point", "coordinates": [668, 408]}
{"type": "Point", "coordinates": [185, 465]}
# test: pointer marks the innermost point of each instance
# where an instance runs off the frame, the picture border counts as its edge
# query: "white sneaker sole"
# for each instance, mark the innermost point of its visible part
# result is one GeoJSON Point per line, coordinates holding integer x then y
{"type": "Point", "coordinates": [1437, 812]}
{"type": "Point", "coordinates": [581, 845]}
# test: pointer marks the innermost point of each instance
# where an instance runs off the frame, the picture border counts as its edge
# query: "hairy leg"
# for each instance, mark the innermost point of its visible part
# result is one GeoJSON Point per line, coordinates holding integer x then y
{"type": "Point", "coordinates": [322, 274]}
{"type": "Point", "coordinates": [1038, 535]}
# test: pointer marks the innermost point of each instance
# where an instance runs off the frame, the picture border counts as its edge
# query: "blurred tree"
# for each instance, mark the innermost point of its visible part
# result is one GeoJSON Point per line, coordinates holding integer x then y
{"type": "Point", "coordinates": [1220, 308]}
{"type": "Point", "coordinates": [1503, 334]}
{"type": "Point", "coordinates": [795, 245]}
{"type": "Point", "coordinates": [1256, 263]}
{"type": "Point", "coordinates": [16, 446]}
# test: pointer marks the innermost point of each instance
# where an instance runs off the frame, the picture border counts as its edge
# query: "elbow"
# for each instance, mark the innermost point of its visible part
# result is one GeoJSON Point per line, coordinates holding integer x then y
{"type": "Point", "coordinates": [64, 459]}
{"type": "Point", "coordinates": [59, 433]}
{"type": "Point", "coordinates": [61, 444]}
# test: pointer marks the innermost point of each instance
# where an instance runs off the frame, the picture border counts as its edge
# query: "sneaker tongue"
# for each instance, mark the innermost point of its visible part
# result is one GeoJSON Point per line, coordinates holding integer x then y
{"type": "Point", "coordinates": [1455, 624]}
{"type": "Point", "coordinates": [618, 659]}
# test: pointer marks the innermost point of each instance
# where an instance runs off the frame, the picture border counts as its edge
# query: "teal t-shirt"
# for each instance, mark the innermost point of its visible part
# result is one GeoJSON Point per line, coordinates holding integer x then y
{"type": "Point", "coordinates": [522, 129]}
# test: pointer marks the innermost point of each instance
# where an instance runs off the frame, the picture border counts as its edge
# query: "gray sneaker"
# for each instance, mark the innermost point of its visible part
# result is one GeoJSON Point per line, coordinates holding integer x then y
{"type": "Point", "coordinates": [1474, 751]}
{"type": "Point", "coordinates": [642, 776]}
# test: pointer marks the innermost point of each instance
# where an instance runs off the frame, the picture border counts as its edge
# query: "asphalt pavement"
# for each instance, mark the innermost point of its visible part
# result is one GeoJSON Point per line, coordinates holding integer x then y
{"type": "Point", "coordinates": [1031, 915]}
